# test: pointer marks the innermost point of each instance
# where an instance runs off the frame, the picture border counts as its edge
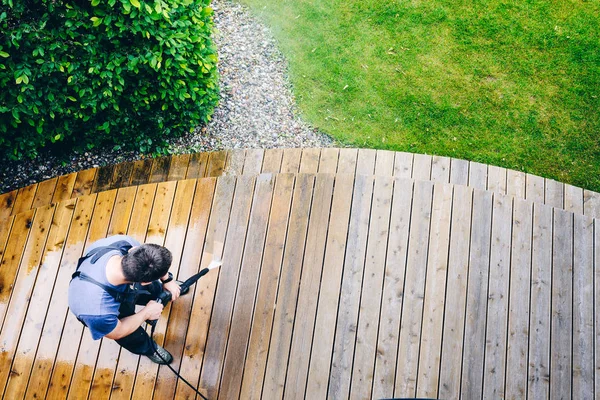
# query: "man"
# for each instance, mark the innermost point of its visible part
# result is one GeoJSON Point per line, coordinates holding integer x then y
{"type": "Point", "coordinates": [115, 274]}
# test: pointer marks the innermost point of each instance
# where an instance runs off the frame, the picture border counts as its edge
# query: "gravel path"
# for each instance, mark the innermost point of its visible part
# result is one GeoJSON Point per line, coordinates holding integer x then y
{"type": "Point", "coordinates": [256, 109]}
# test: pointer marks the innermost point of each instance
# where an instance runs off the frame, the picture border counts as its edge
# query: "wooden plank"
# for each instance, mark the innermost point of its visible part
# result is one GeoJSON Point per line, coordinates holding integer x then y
{"type": "Point", "coordinates": [216, 163]}
{"type": "Point", "coordinates": [459, 172]}
{"type": "Point", "coordinates": [365, 164]}
{"type": "Point", "coordinates": [22, 290]}
{"type": "Point", "coordinates": [403, 165]}
{"type": "Point", "coordinates": [122, 386]}
{"type": "Point", "coordinates": [104, 179]}
{"type": "Point", "coordinates": [456, 293]}
{"type": "Point", "coordinates": [225, 296]}
{"type": "Point", "coordinates": [262, 320]}
{"type": "Point", "coordinates": [497, 179]}
{"type": "Point", "coordinates": [7, 201]}
{"type": "Point", "coordinates": [6, 224]}
{"type": "Point", "coordinates": [433, 307]}
{"type": "Point", "coordinates": [291, 160]}
{"type": "Point", "coordinates": [520, 292]}
{"type": "Point", "coordinates": [197, 166]}
{"type": "Point", "coordinates": [160, 169]}
{"type": "Point", "coordinates": [109, 349]}
{"type": "Point", "coordinates": [329, 292]}
{"type": "Point", "coordinates": [141, 172]}
{"type": "Point", "coordinates": [24, 199]}
{"type": "Point", "coordinates": [84, 182]}
{"type": "Point", "coordinates": [372, 288]}
{"type": "Point", "coordinates": [38, 304]}
{"type": "Point", "coordinates": [287, 296]}
{"type": "Point", "coordinates": [574, 199]}
{"type": "Point", "coordinates": [440, 169]}
{"type": "Point", "coordinates": [179, 167]}
{"type": "Point", "coordinates": [272, 161]}
{"type": "Point", "coordinates": [64, 187]}
{"type": "Point", "coordinates": [422, 167]}
{"type": "Point", "coordinates": [555, 193]}
{"type": "Point", "coordinates": [69, 360]}
{"type": "Point", "coordinates": [309, 163]}
{"type": "Point", "coordinates": [478, 175]}
{"type": "Point", "coordinates": [312, 269]}
{"type": "Point", "coordinates": [541, 278]}
{"type": "Point", "coordinates": [477, 293]}
{"type": "Point", "coordinates": [414, 291]}
{"type": "Point", "coordinates": [44, 193]}
{"type": "Point", "coordinates": [58, 307]}
{"type": "Point", "coordinates": [122, 175]}
{"type": "Point", "coordinates": [347, 161]}
{"type": "Point", "coordinates": [393, 286]}
{"type": "Point", "coordinates": [562, 306]}
{"type": "Point", "coordinates": [235, 162]}
{"type": "Point", "coordinates": [162, 227]}
{"type": "Point", "coordinates": [515, 183]}
{"type": "Point", "coordinates": [11, 260]}
{"type": "Point", "coordinates": [497, 303]}
{"type": "Point", "coordinates": [197, 330]}
{"type": "Point", "coordinates": [233, 366]}
{"type": "Point", "coordinates": [534, 188]}
{"type": "Point", "coordinates": [329, 161]}
{"type": "Point", "coordinates": [356, 244]}
{"type": "Point", "coordinates": [583, 308]}
{"type": "Point", "coordinates": [180, 310]}
{"type": "Point", "coordinates": [591, 203]}
{"type": "Point", "coordinates": [384, 163]}
{"type": "Point", "coordinates": [596, 306]}
{"type": "Point", "coordinates": [254, 161]}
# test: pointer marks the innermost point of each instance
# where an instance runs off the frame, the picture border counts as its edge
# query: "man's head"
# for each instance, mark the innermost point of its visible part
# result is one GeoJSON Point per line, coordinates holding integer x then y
{"type": "Point", "coordinates": [146, 263]}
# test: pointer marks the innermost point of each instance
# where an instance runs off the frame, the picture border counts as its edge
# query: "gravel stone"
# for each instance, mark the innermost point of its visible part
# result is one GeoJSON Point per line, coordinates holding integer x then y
{"type": "Point", "coordinates": [256, 110]}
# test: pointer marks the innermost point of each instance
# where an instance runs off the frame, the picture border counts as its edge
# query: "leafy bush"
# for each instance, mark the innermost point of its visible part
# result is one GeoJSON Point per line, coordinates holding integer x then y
{"type": "Point", "coordinates": [84, 73]}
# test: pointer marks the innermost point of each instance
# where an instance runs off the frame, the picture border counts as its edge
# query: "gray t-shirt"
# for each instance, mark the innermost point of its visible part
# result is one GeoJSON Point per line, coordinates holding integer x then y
{"type": "Point", "coordinates": [89, 302]}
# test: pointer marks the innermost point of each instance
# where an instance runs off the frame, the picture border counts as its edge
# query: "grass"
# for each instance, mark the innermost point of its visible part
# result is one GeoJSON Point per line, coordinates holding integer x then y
{"type": "Point", "coordinates": [513, 84]}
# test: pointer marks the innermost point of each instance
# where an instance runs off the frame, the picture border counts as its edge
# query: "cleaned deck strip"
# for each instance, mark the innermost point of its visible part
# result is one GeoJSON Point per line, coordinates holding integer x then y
{"type": "Point", "coordinates": [440, 169]}
{"type": "Point", "coordinates": [573, 199]}
{"type": "Point", "coordinates": [347, 318]}
{"type": "Point", "coordinates": [555, 193]}
{"type": "Point", "coordinates": [414, 291]}
{"type": "Point", "coordinates": [403, 165]}
{"type": "Point", "coordinates": [24, 199]}
{"type": "Point", "coordinates": [287, 295]}
{"type": "Point", "coordinates": [310, 279]}
{"type": "Point", "coordinates": [591, 204]}
{"type": "Point", "coordinates": [21, 292]}
{"type": "Point", "coordinates": [498, 297]}
{"type": "Point", "coordinates": [235, 162]}
{"type": "Point", "coordinates": [241, 322]}
{"type": "Point", "coordinates": [84, 182]}
{"type": "Point", "coordinates": [254, 161]}
{"type": "Point", "coordinates": [459, 172]}
{"type": "Point", "coordinates": [347, 161]}
{"type": "Point", "coordinates": [496, 179]}
{"type": "Point", "coordinates": [328, 162]}
{"type": "Point", "coordinates": [535, 188]}
{"type": "Point", "coordinates": [393, 287]}
{"type": "Point", "coordinates": [478, 175]}
{"type": "Point", "coordinates": [220, 325]}
{"type": "Point", "coordinates": [515, 183]}
{"type": "Point", "coordinates": [64, 187]}
{"type": "Point", "coordinates": [477, 294]}
{"type": "Point", "coordinates": [262, 319]}
{"type": "Point", "coordinates": [435, 287]}
{"type": "Point", "coordinates": [384, 163]}
{"type": "Point", "coordinates": [204, 294]}
{"type": "Point", "coordinates": [329, 291]}
{"type": "Point", "coordinates": [422, 167]}
{"type": "Point", "coordinates": [372, 288]}
{"type": "Point", "coordinates": [272, 161]}
{"type": "Point", "coordinates": [520, 293]}
{"type": "Point", "coordinates": [365, 163]}
{"type": "Point", "coordinates": [290, 163]}
{"type": "Point", "coordinates": [44, 193]}
{"type": "Point", "coordinates": [309, 162]}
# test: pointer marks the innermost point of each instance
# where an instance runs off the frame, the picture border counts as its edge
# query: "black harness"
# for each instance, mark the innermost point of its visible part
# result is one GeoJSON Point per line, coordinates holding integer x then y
{"type": "Point", "coordinates": [123, 247]}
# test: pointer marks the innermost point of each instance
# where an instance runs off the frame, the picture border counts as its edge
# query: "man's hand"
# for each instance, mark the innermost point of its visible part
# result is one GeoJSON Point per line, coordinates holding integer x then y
{"type": "Point", "coordinates": [174, 288]}
{"type": "Point", "coordinates": [153, 310]}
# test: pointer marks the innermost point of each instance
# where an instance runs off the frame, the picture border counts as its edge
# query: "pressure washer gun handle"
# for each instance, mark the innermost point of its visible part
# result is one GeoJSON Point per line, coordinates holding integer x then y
{"type": "Point", "coordinates": [164, 298]}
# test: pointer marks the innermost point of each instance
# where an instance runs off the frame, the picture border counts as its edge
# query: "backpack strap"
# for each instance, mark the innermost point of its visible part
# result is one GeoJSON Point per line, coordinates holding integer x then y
{"type": "Point", "coordinates": [95, 254]}
{"type": "Point", "coordinates": [120, 297]}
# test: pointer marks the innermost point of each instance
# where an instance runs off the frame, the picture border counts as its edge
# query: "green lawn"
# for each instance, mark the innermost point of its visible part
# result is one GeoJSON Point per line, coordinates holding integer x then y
{"type": "Point", "coordinates": [509, 83]}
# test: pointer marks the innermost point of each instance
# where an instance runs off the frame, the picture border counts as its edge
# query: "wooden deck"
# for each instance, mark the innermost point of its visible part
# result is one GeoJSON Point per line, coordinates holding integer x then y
{"type": "Point", "coordinates": [330, 160]}
{"type": "Point", "coordinates": [337, 283]}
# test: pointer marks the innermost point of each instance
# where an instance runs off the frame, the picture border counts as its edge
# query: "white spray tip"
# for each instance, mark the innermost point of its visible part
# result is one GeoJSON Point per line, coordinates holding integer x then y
{"type": "Point", "coordinates": [215, 264]}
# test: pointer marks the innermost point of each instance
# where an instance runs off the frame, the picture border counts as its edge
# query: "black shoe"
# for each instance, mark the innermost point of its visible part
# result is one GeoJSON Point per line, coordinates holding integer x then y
{"type": "Point", "coordinates": [161, 356]}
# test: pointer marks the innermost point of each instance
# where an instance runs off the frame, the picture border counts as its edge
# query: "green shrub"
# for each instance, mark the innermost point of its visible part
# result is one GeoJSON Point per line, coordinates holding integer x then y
{"type": "Point", "coordinates": [85, 73]}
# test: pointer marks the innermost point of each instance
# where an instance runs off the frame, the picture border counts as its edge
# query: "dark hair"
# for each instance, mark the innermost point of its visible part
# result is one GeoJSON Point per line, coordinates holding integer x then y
{"type": "Point", "coordinates": [146, 263]}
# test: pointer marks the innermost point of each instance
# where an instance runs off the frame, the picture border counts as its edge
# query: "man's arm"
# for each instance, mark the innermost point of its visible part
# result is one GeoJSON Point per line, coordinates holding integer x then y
{"type": "Point", "coordinates": [128, 325]}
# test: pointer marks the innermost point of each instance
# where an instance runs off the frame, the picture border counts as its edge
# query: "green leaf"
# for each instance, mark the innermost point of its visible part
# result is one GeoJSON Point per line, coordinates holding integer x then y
{"type": "Point", "coordinates": [4, 54]}
{"type": "Point", "coordinates": [97, 21]}
{"type": "Point", "coordinates": [95, 2]}
{"type": "Point", "coordinates": [135, 3]}
{"type": "Point", "coordinates": [57, 137]}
